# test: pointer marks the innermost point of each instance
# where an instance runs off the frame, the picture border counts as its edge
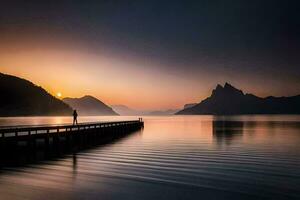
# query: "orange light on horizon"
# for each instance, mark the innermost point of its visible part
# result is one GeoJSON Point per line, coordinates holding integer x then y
{"type": "Point", "coordinates": [59, 95]}
{"type": "Point", "coordinates": [76, 74]}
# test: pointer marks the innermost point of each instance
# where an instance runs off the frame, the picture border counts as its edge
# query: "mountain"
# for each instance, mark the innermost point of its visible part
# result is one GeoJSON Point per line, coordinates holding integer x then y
{"type": "Point", "coordinates": [163, 112]}
{"type": "Point", "coordinates": [189, 105]}
{"type": "Point", "coordinates": [126, 111]}
{"type": "Point", "coordinates": [89, 105]}
{"type": "Point", "coordinates": [20, 97]}
{"type": "Point", "coordinates": [228, 100]}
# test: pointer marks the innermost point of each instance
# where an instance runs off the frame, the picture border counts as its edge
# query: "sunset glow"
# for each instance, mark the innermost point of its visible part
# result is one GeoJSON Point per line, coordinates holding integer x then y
{"type": "Point", "coordinates": [149, 99]}
{"type": "Point", "coordinates": [145, 65]}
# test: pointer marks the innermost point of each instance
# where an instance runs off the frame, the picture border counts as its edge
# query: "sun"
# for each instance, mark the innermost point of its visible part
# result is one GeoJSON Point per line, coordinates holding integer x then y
{"type": "Point", "coordinates": [58, 94]}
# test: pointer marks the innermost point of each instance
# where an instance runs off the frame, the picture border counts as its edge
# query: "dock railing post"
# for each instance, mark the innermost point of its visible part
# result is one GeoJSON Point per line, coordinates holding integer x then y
{"type": "Point", "coordinates": [47, 144]}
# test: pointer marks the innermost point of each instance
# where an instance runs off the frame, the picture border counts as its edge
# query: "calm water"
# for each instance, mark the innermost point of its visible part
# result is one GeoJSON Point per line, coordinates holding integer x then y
{"type": "Point", "coordinates": [193, 157]}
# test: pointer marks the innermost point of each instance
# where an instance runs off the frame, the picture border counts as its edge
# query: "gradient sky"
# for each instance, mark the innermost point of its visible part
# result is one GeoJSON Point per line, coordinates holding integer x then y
{"type": "Point", "coordinates": [152, 54]}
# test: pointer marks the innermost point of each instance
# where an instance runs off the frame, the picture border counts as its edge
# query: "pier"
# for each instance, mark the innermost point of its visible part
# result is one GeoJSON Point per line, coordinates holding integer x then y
{"type": "Point", "coordinates": [54, 140]}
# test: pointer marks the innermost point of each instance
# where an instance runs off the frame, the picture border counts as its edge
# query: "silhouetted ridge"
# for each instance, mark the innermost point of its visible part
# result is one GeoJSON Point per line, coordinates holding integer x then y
{"type": "Point", "coordinates": [126, 111]}
{"type": "Point", "coordinates": [20, 97]}
{"type": "Point", "coordinates": [226, 91]}
{"type": "Point", "coordinates": [163, 112]}
{"type": "Point", "coordinates": [228, 100]}
{"type": "Point", "coordinates": [189, 105]}
{"type": "Point", "coordinates": [89, 105]}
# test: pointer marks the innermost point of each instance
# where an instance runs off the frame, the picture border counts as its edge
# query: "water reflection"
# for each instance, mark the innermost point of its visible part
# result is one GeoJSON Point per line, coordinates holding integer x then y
{"type": "Point", "coordinates": [74, 163]}
{"type": "Point", "coordinates": [224, 132]}
{"type": "Point", "coordinates": [190, 157]}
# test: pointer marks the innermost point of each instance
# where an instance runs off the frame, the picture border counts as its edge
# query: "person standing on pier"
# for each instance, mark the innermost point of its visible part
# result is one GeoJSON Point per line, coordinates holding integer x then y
{"type": "Point", "coordinates": [75, 117]}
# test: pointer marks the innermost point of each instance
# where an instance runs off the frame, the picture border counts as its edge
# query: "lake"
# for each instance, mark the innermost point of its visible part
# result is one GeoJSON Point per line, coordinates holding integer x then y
{"type": "Point", "coordinates": [173, 157]}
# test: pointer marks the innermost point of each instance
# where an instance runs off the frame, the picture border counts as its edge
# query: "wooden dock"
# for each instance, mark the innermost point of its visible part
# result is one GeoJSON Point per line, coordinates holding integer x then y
{"type": "Point", "coordinates": [54, 140]}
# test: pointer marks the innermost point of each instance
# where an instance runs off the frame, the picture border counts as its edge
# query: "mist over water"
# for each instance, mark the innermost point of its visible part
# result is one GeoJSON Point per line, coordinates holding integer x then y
{"type": "Point", "coordinates": [173, 157]}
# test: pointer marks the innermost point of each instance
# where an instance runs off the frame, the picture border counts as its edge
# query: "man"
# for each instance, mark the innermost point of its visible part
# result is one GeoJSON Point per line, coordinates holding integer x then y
{"type": "Point", "coordinates": [75, 117]}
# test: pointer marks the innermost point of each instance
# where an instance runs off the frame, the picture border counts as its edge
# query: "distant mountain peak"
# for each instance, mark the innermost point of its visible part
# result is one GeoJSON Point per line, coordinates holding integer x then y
{"type": "Point", "coordinates": [89, 105]}
{"type": "Point", "coordinates": [127, 111]}
{"type": "Point", "coordinates": [228, 100]}
{"type": "Point", "coordinates": [226, 90]}
{"type": "Point", "coordinates": [219, 87]}
{"type": "Point", "coordinates": [88, 96]}
{"type": "Point", "coordinates": [189, 105]}
{"type": "Point", "coordinates": [228, 85]}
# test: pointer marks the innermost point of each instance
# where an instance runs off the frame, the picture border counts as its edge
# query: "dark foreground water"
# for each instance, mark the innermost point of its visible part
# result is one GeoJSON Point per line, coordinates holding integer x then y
{"type": "Point", "coordinates": [193, 157]}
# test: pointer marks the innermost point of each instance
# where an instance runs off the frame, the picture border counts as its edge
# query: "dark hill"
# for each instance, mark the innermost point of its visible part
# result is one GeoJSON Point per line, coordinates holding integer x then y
{"type": "Point", "coordinates": [189, 105]}
{"type": "Point", "coordinates": [20, 97]}
{"type": "Point", "coordinates": [89, 105]}
{"type": "Point", "coordinates": [228, 100]}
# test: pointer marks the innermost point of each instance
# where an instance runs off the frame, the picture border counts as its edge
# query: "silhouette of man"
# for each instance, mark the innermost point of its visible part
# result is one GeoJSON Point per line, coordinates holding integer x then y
{"type": "Point", "coordinates": [75, 117]}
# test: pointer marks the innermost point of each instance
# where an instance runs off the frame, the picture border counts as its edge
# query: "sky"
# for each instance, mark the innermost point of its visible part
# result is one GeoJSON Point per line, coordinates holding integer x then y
{"type": "Point", "coordinates": [152, 54]}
